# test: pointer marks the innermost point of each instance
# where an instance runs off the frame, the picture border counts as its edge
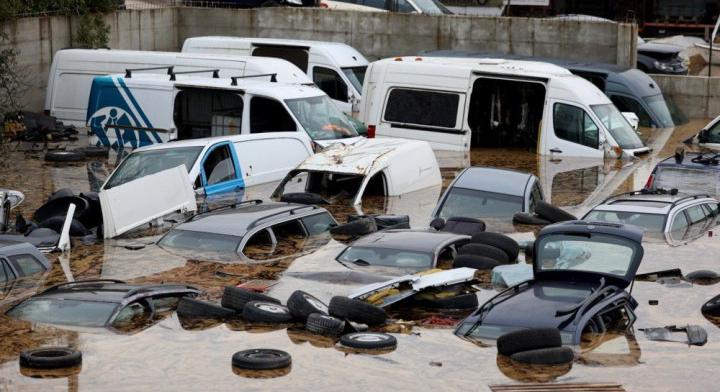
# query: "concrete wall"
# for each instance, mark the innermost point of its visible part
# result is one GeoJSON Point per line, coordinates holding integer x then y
{"type": "Point", "coordinates": [696, 96]}
{"type": "Point", "coordinates": [375, 34]}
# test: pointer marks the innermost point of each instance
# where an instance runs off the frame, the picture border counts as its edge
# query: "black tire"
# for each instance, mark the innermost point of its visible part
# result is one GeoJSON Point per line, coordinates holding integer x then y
{"type": "Point", "coordinates": [523, 218]}
{"type": "Point", "coordinates": [462, 301]}
{"type": "Point", "coordinates": [392, 221]}
{"type": "Point", "coordinates": [302, 305]}
{"type": "Point", "coordinates": [486, 250]}
{"type": "Point", "coordinates": [92, 216]}
{"type": "Point", "coordinates": [474, 261]}
{"type": "Point", "coordinates": [59, 207]}
{"type": "Point", "coordinates": [355, 228]}
{"type": "Point", "coordinates": [77, 229]}
{"type": "Point", "coordinates": [64, 192]}
{"type": "Point", "coordinates": [703, 277]}
{"type": "Point", "coordinates": [356, 310]}
{"type": "Point", "coordinates": [463, 225]}
{"type": "Point", "coordinates": [192, 308]}
{"type": "Point", "coordinates": [528, 339]}
{"type": "Point", "coordinates": [50, 358]}
{"type": "Point", "coordinates": [437, 223]}
{"type": "Point", "coordinates": [712, 307]}
{"type": "Point", "coordinates": [64, 156]}
{"type": "Point", "coordinates": [303, 198]}
{"type": "Point", "coordinates": [235, 298]}
{"type": "Point", "coordinates": [545, 356]}
{"type": "Point", "coordinates": [553, 214]}
{"type": "Point", "coordinates": [368, 340]}
{"type": "Point", "coordinates": [261, 359]}
{"type": "Point", "coordinates": [323, 324]}
{"type": "Point", "coordinates": [266, 312]}
{"type": "Point", "coordinates": [93, 151]}
{"type": "Point", "coordinates": [509, 245]}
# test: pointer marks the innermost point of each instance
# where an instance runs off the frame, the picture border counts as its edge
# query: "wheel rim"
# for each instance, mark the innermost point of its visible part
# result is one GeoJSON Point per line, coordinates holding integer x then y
{"type": "Point", "coordinates": [271, 308]}
{"type": "Point", "coordinates": [316, 304]}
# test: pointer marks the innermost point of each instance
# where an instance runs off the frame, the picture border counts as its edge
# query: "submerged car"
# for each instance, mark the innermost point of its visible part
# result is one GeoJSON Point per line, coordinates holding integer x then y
{"type": "Point", "coordinates": [581, 270]}
{"type": "Point", "coordinates": [20, 260]}
{"type": "Point", "coordinates": [654, 58]}
{"type": "Point", "coordinates": [709, 136]}
{"type": "Point", "coordinates": [690, 173]}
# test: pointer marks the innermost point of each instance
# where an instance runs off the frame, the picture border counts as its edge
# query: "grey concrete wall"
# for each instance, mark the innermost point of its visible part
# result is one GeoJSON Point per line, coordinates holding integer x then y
{"type": "Point", "coordinates": [696, 96]}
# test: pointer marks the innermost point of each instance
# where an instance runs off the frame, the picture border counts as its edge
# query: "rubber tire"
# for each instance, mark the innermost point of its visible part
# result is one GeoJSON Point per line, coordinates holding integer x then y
{"type": "Point", "coordinates": [64, 156]}
{"type": "Point", "coordinates": [77, 229]}
{"type": "Point", "coordinates": [462, 301]}
{"type": "Point", "coordinates": [476, 221]}
{"type": "Point", "coordinates": [437, 223]}
{"type": "Point", "coordinates": [193, 308]}
{"type": "Point", "coordinates": [235, 298]}
{"type": "Point", "coordinates": [486, 250]}
{"type": "Point", "coordinates": [50, 358]}
{"type": "Point", "coordinates": [92, 216]}
{"type": "Point", "coordinates": [528, 339]}
{"type": "Point", "coordinates": [93, 151]}
{"type": "Point", "coordinates": [356, 310]}
{"type": "Point", "coordinates": [59, 207]}
{"type": "Point", "coordinates": [323, 324]}
{"type": "Point", "coordinates": [712, 307]}
{"type": "Point", "coordinates": [509, 245]}
{"type": "Point", "coordinates": [701, 275]}
{"type": "Point", "coordinates": [64, 192]}
{"type": "Point", "coordinates": [302, 305]}
{"type": "Point", "coordinates": [474, 261]}
{"type": "Point", "coordinates": [392, 221]}
{"type": "Point", "coordinates": [553, 214]}
{"type": "Point", "coordinates": [368, 340]}
{"type": "Point", "coordinates": [355, 228]}
{"type": "Point", "coordinates": [303, 198]}
{"type": "Point", "coordinates": [523, 218]}
{"type": "Point", "coordinates": [266, 312]}
{"type": "Point", "coordinates": [261, 359]}
{"type": "Point", "coordinates": [545, 356]}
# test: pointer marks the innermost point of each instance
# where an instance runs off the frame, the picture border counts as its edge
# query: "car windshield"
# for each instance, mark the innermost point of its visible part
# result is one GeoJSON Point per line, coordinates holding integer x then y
{"type": "Point", "coordinates": [595, 252]}
{"type": "Point", "coordinates": [356, 76]}
{"type": "Point", "coordinates": [200, 241]}
{"type": "Point", "coordinates": [144, 163]}
{"type": "Point", "coordinates": [687, 180]}
{"type": "Point", "coordinates": [64, 312]}
{"type": "Point", "coordinates": [432, 7]}
{"type": "Point", "coordinates": [321, 118]}
{"type": "Point", "coordinates": [619, 128]}
{"type": "Point", "coordinates": [653, 223]}
{"type": "Point", "coordinates": [479, 204]}
{"type": "Point", "coordinates": [386, 257]}
{"type": "Point", "coordinates": [666, 111]}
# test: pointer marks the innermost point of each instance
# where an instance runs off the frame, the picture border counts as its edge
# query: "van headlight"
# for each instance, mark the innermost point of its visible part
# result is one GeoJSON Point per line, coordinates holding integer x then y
{"type": "Point", "coordinates": [663, 66]}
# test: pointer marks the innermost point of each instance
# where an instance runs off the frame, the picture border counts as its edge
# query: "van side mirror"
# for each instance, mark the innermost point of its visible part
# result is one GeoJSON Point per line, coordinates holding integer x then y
{"type": "Point", "coordinates": [703, 136]}
{"type": "Point", "coordinates": [354, 102]}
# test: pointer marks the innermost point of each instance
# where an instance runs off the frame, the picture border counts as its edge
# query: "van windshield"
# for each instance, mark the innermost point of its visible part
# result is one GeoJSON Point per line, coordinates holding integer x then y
{"type": "Point", "coordinates": [144, 163]}
{"type": "Point", "coordinates": [619, 128]}
{"type": "Point", "coordinates": [356, 76]}
{"type": "Point", "coordinates": [666, 111]}
{"type": "Point", "coordinates": [432, 7]}
{"type": "Point", "coordinates": [321, 118]}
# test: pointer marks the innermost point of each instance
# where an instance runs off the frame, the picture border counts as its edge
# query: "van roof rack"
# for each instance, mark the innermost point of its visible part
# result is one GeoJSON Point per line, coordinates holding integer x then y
{"type": "Point", "coordinates": [129, 71]}
{"type": "Point", "coordinates": [215, 73]}
{"type": "Point", "coordinates": [273, 78]}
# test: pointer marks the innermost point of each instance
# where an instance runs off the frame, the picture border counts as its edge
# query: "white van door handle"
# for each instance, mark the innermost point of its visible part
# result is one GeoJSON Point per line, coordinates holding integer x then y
{"type": "Point", "coordinates": [556, 150]}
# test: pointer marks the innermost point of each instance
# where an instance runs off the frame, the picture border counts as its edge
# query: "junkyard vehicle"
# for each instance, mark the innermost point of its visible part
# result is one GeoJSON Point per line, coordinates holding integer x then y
{"type": "Point", "coordinates": [110, 304]}
{"type": "Point", "coordinates": [689, 173]}
{"type": "Point", "coordinates": [139, 109]}
{"type": "Point", "coordinates": [336, 68]}
{"type": "Point", "coordinates": [428, 7]}
{"type": "Point", "coordinates": [657, 58]}
{"type": "Point", "coordinates": [403, 251]}
{"type": "Point", "coordinates": [252, 230]}
{"type": "Point", "coordinates": [74, 70]}
{"type": "Point", "coordinates": [459, 103]}
{"type": "Point", "coordinates": [484, 192]}
{"type": "Point", "coordinates": [21, 260]}
{"type": "Point", "coordinates": [658, 212]}
{"type": "Point", "coordinates": [581, 271]}
{"type": "Point", "coordinates": [380, 167]}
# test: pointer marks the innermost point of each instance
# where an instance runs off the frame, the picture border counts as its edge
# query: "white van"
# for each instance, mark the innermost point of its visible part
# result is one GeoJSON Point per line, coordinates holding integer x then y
{"type": "Point", "coordinates": [338, 69]}
{"type": "Point", "coordinates": [459, 103]}
{"type": "Point", "coordinates": [139, 109]}
{"type": "Point", "coordinates": [73, 70]}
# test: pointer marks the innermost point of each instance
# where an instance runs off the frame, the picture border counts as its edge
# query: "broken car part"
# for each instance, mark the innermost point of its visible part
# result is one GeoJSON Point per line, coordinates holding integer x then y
{"type": "Point", "coordinates": [695, 334]}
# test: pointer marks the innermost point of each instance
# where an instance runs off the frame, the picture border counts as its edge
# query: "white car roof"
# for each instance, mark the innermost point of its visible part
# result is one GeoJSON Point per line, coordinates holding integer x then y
{"type": "Point", "coordinates": [206, 141]}
{"type": "Point", "coordinates": [649, 203]}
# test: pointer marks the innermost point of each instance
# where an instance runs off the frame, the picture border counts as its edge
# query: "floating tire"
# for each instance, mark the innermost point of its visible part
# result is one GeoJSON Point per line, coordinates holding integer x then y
{"type": "Point", "coordinates": [486, 250]}
{"type": "Point", "coordinates": [712, 307]}
{"type": "Point", "coordinates": [59, 207]}
{"type": "Point", "coordinates": [523, 218]}
{"type": "Point", "coordinates": [545, 356]}
{"type": "Point", "coordinates": [463, 225]}
{"type": "Point", "coordinates": [356, 228]}
{"type": "Point", "coordinates": [64, 156]}
{"type": "Point", "coordinates": [261, 359]}
{"type": "Point", "coordinates": [369, 341]}
{"type": "Point", "coordinates": [235, 298]}
{"type": "Point", "coordinates": [266, 312]}
{"type": "Point", "coordinates": [302, 305]}
{"type": "Point", "coordinates": [475, 261]}
{"type": "Point", "coordinates": [703, 277]}
{"type": "Point", "coordinates": [93, 151]}
{"type": "Point", "coordinates": [554, 214]}
{"type": "Point", "coordinates": [192, 308]}
{"type": "Point", "coordinates": [356, 310]}
{"type": "Point", "coordinates": [56, 223]}
{"type": "Point", "coordinates": [323, 324]}
{"type": "Point", "coordinates": [528, 339]}
{"type": "Point", "coordinates": [501, 241]}
{"type": "Point", "coordinates": [50, 358]}
{"type": "Point", "coordinates": [303, 198]}
{"type": "Point", "coordinates": [63, 192]}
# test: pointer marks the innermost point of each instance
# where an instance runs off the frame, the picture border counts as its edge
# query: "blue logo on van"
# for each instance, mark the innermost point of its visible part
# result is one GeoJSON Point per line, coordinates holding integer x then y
{"type": "Point", "coordinates": [112, 103]}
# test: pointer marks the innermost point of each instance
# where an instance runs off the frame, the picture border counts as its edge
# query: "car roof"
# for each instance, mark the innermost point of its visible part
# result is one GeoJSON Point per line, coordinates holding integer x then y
{"type": "Point", "coordinates": [504, 181]}
{"type": "Point", "coordinates": [426, 241]}
{"type": "Point", "coordinates": [106, 290]}
{"type": "Point", "coordinates": [626, 231]}
{"type": "Point", "coordinates": [648, 202]}
{"type": "Point", "coordinates": [687, 162]}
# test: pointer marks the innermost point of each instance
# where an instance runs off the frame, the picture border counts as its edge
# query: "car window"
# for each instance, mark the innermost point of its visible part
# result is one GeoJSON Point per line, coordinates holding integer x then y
{"type": "Point", "coordinates": [219, 165]}
{"type": "Point", "coordinates": [200, 241]}
{"type": "Point", "coordinates": [711, 209]}
{"type": "Point", "coordinates": [384, 257]}
{"type": "Point", "coordinates": [573, 124]}
{"type": "Point", "coordinates": [131, 316]}
{"type": "Point", "coordinates": [6, 273]}
{"type": "Point", "coordinates": [331, 83]}
{"type": "Point", "coordinates": [599, 253]}
{"type": "Point", "coordinates": [318, 223]}
{"type": "Point", "coordinates": [404, 6]}
{"type": "Point", "coordinates": [356, 76]}
{"type": "Point", "coordinates": [617, 125]}
{"type": "Point", "coordinates": [479, 204]}
{"type": "Point", "coordinates": [627, 104]}
{"type": "Point", "coordinates": [202, 113]}
{"type": "Point", "coordinates": [165, 302]}
{"type": "Point", "coordinates": [269, 115]}
{"type": "Point", "coordinates": [430, 108]}
{"type": "Point", "coordinates": [695, 214]}
{"type": "Point", "coordinates": [144, 163]}
{"type": "Point", "coordinates": [279, 240]}
{"type": "Point", "coordinates": [680, 223]}
{"type": "Point", "coordinates": [64, 312]}
{"type": "Point", "coordinates": [374, 3]}
{"type": "Point", "coordinates": [321, 118]}
{"type": "Point", "coordinates": [27, 264]}
{"type": "Point", "coordinates": [535, 196]}
{"type": "Point", "coordinates": [649, 222]}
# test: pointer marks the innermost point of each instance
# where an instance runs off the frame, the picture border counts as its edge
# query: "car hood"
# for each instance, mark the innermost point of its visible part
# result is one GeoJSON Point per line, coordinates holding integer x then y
{"type": "Point", "coordinates": [658, 48]}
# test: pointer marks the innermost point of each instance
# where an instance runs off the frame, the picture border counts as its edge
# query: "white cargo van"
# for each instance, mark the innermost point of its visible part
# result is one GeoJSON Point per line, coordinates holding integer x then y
{"type": "Point", "coordinates": [138, 109]}
{"type": "Point", "coordinates": [338, 69]}
{"type": "Point", "coordinates": [459, 103]}
{"type": "Point", "coordinates": [73, 70]}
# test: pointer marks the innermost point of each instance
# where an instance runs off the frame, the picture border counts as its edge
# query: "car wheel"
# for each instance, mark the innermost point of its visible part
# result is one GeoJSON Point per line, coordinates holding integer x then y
{"type": "Point", "coordinates": [50, 358]}
{"type": "Point", "coordinates": [368, 341]}
{"type": "Point", "coordinates": [302, 305]}
{"type": "Point", "coordinates": [303, 198]}
{"type": "Point", "coordinates": [490, 251]}
{"type": "Point", "coordinates": [235, 298]}
{"type": "Point", "coordinates": [545, 356]}
{"type": "Point", "coordinates": [266, 312]}
{"type": "Point", "coordinates": [322, 324]}
{"type": "Point", "coordinates": [355, 228]}
{"type": "Point", "coordinates": [553, 214]}
{"type": "Point", "coordinates": [475, 261]}
{"type": "Point", "coordinates": [528, 339]}
{"type": "Point", "coordinates": [261, 359]}
{"type": "Point", "coordinates": [523, 218]}
{"type": "Point", "coordinates": [356, 310]}
{"type": "Point", "coordinates": [193, 308]}
{"type": "Point", "coordinates": [64, 192]}
{"type": "Point", "coordinates": [64, 156]}
{"type": "Point", "coordinates": [501, 241]}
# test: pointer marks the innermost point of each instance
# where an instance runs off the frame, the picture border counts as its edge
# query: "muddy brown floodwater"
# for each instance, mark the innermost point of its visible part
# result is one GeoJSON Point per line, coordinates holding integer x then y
{"type": "Point", "coordinates": [178, 355]}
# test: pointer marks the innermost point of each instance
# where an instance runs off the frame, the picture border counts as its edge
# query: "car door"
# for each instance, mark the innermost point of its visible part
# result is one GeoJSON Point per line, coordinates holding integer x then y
{"type": "Point", "coordinates": [572, 131]}
{"type": "Point", "coordinates": [220, 170]}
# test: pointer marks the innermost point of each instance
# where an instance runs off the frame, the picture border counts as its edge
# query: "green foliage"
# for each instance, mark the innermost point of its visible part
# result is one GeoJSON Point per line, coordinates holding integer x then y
{"type": "Point", "coordinates": [92, 33]}
{"type": "Point", "coordinates": [65, 7]}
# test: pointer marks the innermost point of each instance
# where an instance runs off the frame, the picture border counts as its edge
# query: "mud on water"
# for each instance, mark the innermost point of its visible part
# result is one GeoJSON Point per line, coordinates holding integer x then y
{"type": "Point", "coordinates": [185, 355]}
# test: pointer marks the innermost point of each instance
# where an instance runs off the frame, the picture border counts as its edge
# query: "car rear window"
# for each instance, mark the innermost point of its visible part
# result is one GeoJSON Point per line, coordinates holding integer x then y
{"type": "Point", "coordinates": [686, 180]}
{"type": "Point", "coordinates": [597, 253]}
{"type": "Point", "coordinates": [479, 204]}
{"type": "Point", "coordinates": [64, 312]}
{"type": "Point", "coordinates": [200, 241]}
{"type": "Point", "coordinates": [386, 257]}
{"type": "Point", "coordinates": [654, 223]}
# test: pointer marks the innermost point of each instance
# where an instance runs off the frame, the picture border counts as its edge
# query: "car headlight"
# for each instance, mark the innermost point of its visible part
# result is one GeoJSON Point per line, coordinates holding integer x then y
{"type": "Point", "coordinates": [663, 66]}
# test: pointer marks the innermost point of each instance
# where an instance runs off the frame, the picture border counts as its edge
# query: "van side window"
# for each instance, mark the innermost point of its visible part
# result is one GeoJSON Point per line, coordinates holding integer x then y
{"type": "Point", "coordinates": [219, 166]}
{"type": "Point", "coordinates": [26, 264]}
{"type": "Point", "coordinates": [298, 56]}
{"type": "Point", "coordinates": [202, 113]}
{"type": "Point", "coordinates": [626, 104]}
{"type": "Point", "coordinates": [331, 83]}
{"type": "Point", "coordinates": [575, 125]}
{"type": "Point", "coordinates": [433, 108]}
{"type": "Point", "coordinates": [269, 115]}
